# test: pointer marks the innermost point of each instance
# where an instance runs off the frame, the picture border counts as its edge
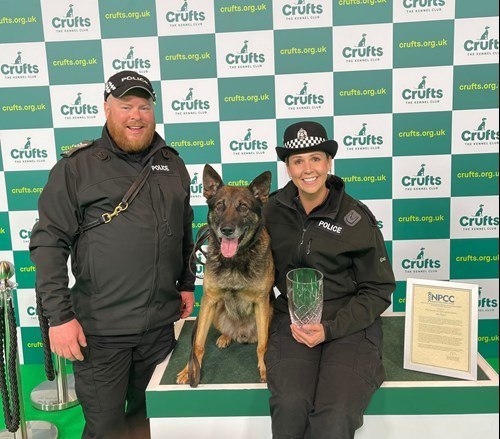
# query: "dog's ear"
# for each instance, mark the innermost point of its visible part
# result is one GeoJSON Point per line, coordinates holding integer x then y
{"type": "Point", "coordinates": [211, 182]}
{"type": "Point", "coordinates": [261, 185]}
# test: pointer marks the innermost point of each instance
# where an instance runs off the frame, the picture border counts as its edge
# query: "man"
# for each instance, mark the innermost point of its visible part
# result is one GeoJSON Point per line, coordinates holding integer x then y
{"type": "Point", "coordinates": [130, 238]}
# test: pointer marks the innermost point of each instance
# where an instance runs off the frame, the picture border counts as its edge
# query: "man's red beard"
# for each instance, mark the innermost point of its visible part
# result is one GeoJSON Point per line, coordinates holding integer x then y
{"type": "Point", "coordinates": [117, 132]}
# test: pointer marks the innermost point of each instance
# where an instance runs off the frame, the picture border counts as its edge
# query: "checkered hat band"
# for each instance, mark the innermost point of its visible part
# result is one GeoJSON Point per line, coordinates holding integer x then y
{"type": "Point", "coordinates": [304, 143]}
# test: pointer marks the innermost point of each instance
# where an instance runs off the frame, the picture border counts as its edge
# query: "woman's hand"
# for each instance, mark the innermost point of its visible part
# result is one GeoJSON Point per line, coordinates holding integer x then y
{"type": "Point", "coordinates": [310, 335]}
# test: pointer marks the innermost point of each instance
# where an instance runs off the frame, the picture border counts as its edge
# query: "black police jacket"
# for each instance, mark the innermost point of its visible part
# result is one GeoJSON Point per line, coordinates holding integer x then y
{"type": "Point", "coordinates": [341, 239]}
{"type": "Point", "coordinates": [128, 272]}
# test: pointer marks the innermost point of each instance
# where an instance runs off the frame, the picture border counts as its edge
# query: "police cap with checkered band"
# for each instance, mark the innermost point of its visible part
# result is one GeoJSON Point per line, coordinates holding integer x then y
{"type": "Point", "coordinates": [305, 137]}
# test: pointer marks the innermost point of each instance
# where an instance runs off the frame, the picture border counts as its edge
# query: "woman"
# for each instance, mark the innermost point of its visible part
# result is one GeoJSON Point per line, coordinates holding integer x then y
{"type": "Point", "coordinates": [322, 376]}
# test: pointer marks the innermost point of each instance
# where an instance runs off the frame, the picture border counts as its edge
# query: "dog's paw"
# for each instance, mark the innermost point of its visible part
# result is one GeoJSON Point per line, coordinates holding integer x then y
{"type": "Point", "coordinates": [223, 341]}
{"type": "Point", "coordinates": [263, 377]}
{"type": "Point", "coordinates": [182, 376]}
{"type": "Point", "coordinates": [263, 373]}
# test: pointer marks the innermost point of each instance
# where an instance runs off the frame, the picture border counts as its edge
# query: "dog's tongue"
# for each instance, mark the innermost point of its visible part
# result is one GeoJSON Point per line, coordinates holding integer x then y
{"type": "Point", "coordinates": [229, 247]}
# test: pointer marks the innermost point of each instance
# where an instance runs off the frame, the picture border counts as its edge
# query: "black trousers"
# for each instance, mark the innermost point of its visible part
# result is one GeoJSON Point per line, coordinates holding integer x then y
{"type": "Point", "coordinates": [321, 392]}
{"type": "Point", "coordinates": [111, 381]}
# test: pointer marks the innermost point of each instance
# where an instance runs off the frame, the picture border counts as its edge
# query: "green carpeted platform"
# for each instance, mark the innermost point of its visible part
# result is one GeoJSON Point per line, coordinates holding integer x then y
{"type": "Point", "coordinates": [230, 383]}
{"type": "Point", "coordinates": [238, 363]}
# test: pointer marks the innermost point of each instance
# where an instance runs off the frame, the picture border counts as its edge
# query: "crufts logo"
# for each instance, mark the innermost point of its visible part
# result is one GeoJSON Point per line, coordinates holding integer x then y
{"type": "Point", "coordinates": [480, 134]}
{"type": "Point", "coordinates": [245, 57]}
{"type": "Point", "coordinates": [421, 180]}
{"type": "Point", "coordinates": [427, 5]}
{"type": "Point", "coordinates": [362, 51]}
{"type": "Point", "coordinates": [78, 108]}
{"type": "Point", "coordinates": [482, 45]}
{"type": "Point", "coordinates": [69, 22]}
{"type": "Point", "coordinates": [363, 139]}
{"type": "Point", "coordinates": [304, 98]}
{"type": "Point", "coordinates": [131, 62]}
{"type": "Point", "coordinates": [185, 15]}
{"type": "Point", "coordinates": [485, 303]}
{"type": "Point", "coordinates": [423, 93]}
{"type": "Point", "coordinates": [196, 185]}
{"type": "Point", "coordinates": [420, 262]}
{"type": "Point", "coordinates": [301, 9]}
{"type": "Point", "coordinates": [28, 152]}
{"type": "Point", "coordinates": [248, 144]}
{"type": "Point", "coordinates": [19, 68]}
{"type": "Point", "coordinates": [479, 220]}
{"type": "Point", "coordinates": [190, 104]}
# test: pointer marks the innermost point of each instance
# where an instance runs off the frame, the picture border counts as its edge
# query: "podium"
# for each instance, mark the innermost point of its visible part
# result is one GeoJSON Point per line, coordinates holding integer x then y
{"type": "Point", "coordinates": [231, 402]}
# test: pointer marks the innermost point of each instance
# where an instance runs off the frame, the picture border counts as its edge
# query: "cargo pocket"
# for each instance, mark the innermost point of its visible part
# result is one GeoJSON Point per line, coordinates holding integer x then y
{"type": "Point", "coordinates": [85, 386]}
{"type": "Point", "coordinates": [368, 364]}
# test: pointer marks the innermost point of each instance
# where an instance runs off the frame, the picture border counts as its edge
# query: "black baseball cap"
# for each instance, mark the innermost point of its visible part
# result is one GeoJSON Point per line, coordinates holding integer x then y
{"type": "Point", "coordinates": [122, 82]}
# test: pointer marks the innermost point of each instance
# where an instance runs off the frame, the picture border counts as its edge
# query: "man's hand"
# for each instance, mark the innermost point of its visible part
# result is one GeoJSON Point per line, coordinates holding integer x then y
{"type": "Point", "coordinates": [310, 335]}
{"type": "Point", "coordinates": [66, 339]}
{"type": "Point", "coordinates": [187, 303]}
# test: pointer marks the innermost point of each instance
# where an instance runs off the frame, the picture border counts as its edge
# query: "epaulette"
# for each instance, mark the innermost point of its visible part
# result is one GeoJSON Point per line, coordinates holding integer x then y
{"type": "Point", "coordinates": [82, 145]}
{"type": "Point", "coordinates": [172, 149]}
{"type": "Point", "coordinates": [369, 213]}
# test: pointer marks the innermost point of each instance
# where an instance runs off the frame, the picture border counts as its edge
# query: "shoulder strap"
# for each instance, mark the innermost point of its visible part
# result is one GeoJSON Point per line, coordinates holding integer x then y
{"type": "Point", "coordinates": [82, 145]}
{"type": "Point", "coordinates": [126, 200]}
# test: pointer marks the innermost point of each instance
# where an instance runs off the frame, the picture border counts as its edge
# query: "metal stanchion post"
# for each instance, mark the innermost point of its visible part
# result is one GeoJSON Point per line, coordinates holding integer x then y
{"type": "Point", "coordinates": [56, 395]}
{"type": "Point", "coordinates": [12, 388]}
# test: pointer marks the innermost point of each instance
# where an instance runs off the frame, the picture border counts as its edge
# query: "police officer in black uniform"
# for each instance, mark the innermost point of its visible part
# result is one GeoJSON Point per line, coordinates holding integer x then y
{"type": "Point", "coordinates": [120, 206]}
{"type": "Point", "coordinates": [322, 376]}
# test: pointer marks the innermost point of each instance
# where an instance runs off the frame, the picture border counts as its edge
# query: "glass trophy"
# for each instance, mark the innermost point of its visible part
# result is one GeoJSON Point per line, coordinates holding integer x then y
{"type": "Point", "coordinates": [305, 295]}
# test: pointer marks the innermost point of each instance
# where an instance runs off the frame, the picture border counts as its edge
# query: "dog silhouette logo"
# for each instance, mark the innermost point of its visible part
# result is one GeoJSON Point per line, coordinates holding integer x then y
{"type": "Point", "coordinates": [362, 131]}
{"type": "Point", "coordinates": [421, 170]}
{"type": "Point", "coordinates": [422, 84]}
{"type": "Point", "coordinates": [362, 42]}
{"type": "Point", "coordinates": [485, 34]}
{"type": "Point", "coordinates": [421, 253]}
{"type": "Point", "coordinates": [482, 125]}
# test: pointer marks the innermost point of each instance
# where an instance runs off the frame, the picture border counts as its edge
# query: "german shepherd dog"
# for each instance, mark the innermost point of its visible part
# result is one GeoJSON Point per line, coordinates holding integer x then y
{"type": "Point", "coordinates": [239, 271]}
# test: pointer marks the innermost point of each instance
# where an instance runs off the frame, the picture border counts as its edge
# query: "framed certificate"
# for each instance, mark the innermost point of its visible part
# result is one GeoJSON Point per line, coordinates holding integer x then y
{"type": "Point", "coordinates": [441, 328]}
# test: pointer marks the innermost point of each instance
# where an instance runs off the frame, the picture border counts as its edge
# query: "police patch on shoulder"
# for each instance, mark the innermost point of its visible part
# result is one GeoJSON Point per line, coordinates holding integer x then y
{"type": "Point", "coordinates": [327, 226]}
{"type": "Point", "coordinates": [352, 218]}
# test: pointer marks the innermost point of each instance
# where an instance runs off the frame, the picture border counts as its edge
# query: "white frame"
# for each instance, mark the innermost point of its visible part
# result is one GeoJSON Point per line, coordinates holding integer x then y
{"type": "Point", "coordinates": [472, 289]}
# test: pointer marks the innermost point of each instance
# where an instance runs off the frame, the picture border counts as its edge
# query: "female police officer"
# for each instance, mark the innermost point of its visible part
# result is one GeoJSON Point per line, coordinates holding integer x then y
{"type": "Point", "coordinates": [322, 376]}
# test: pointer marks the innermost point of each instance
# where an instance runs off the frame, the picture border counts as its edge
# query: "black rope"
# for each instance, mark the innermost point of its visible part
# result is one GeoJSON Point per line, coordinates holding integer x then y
{"type": "Point", "coordinates": [201, 237]}
{"type": "Point", "coordinates": [44, 329]}
{"type": "Point", "coordinates": [10, 393]}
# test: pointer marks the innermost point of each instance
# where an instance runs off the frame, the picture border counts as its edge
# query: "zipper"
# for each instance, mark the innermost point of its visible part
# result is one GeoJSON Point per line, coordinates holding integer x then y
{"type": "Point", "coordinates": [163, 211]}
{"type": "Point", "coordinates": [156, 262]}
{"type": "Point", "coordinates": [308, 248]}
